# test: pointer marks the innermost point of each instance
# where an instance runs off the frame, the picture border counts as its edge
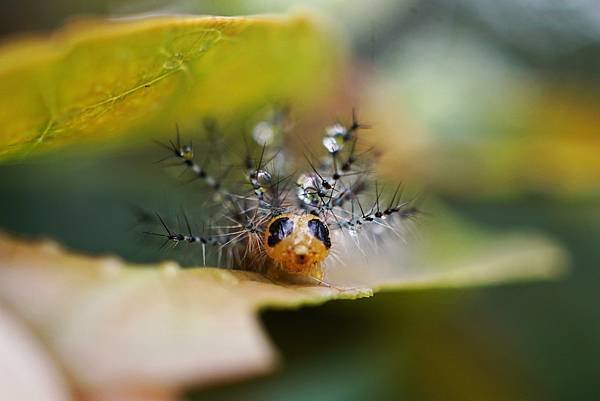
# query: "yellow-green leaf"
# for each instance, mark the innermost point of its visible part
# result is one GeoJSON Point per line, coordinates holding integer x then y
{"type": "Point", "coordinates": [97, 80]}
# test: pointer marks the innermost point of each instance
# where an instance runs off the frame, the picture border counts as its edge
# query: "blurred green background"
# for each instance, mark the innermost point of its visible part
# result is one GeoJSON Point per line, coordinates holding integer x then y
{"type": "Point", "coordinates": [492, 107]}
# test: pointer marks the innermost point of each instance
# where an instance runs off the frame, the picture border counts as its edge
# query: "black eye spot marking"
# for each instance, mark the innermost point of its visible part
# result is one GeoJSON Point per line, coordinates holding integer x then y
{"type": "Point", "coordinates": [320, 231]}
{"type": "Point", "coordinates": [279, 229]}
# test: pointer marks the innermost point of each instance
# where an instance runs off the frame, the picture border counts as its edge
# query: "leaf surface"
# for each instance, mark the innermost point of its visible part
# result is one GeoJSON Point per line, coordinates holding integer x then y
{"type": "Point", "coordinates": [130, 329]}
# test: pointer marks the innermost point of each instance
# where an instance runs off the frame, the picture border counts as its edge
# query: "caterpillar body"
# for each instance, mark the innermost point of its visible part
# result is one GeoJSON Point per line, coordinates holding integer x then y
{"type": "Point", "coordinates": [282, 222]}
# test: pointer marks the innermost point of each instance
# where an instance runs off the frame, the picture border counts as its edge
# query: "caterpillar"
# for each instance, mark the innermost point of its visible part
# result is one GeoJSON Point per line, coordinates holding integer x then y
{"type": "Point", "coordinates": [283, 222]}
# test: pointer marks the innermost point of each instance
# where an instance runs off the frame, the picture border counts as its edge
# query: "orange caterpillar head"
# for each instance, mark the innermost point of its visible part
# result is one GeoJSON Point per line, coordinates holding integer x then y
{"type": "Point", "coordinates": [298, 243]}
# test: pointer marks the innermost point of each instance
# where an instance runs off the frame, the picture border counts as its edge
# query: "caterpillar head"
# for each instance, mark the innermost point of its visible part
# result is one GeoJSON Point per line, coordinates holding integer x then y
{"type": "Point", "coordinates": [298, 243]}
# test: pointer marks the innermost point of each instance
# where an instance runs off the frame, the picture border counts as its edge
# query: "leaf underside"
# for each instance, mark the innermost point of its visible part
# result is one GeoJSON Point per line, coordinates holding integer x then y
{"type": "Point", "coordinates": [103, 80]}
